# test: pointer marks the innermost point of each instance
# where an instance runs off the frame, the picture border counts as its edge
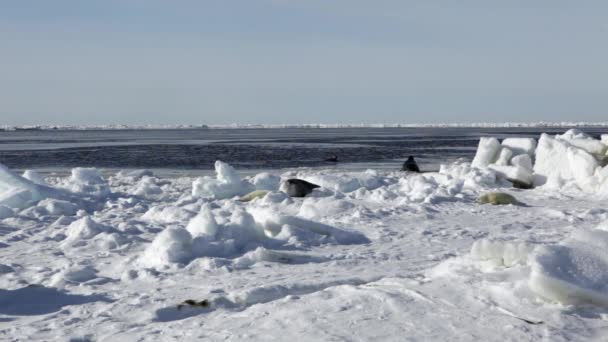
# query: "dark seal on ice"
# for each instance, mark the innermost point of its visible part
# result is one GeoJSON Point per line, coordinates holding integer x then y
{"type": "Point", "coordinates": [298, 188]}
{"type": "Point", "coordinates": [333, 158]}
{"type": "Point", "coordinates": [410, 165]}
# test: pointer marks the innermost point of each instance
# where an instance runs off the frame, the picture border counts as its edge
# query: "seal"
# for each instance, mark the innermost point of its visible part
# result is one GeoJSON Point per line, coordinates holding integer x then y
{"type": "Point", "coordinates": [333, 158]}
{"type": "Point", "coordinates": [410, 165]}
{"type": "Point", "coordinates": [297, 187]}
{"type": "Point", "coordinates": [253, 195]}
{"type": "Point", "coordinates": [498, 198]}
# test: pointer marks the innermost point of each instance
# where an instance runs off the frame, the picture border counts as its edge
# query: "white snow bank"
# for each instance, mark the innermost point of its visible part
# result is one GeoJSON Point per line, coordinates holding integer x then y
{"type": "Point", "coordinates": [227, 184]}
{"type": "Point", "coordinates": [574, 271]}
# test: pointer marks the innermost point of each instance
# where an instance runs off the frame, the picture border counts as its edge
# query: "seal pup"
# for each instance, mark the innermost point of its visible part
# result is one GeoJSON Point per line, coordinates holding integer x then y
{"type": "Point", "coordinates": [410, 165]}
{"type": "Point", "coordinates": [499, 198]}
{"type": "Point", "coordinates": [253, 195]}
{"type": "Point", "coordinates": [298, 188]}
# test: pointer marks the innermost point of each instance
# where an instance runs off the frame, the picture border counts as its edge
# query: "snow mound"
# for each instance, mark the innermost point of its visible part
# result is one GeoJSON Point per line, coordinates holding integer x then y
{"type": "Point", "coordinates": [303, 232]}
{"type": "Point", "coordinates": [83, 229]}
{"type": "Point", "coordinates": [74, 275]}
{"type": "Point", "coordinates": [227, 184]}
{"type": "Point", "coordinates": [172, 245]}
{"type": "Point", "coordinates": [235, 235]}
{"type": "Point", "coordinates": [203, 223]}
{"type": "Point", "coordinates": [262, 254]}
{"type": "Point", "coordinates": [87, 181]}
{"type": "Point", "coordinates": [58, 207]}
{"type": "Point", "coordinates": [573, 272]}
{"type": "Point", "coordinates": [146, 187]}
{"type": "Point", "coordinates": [168, 214]}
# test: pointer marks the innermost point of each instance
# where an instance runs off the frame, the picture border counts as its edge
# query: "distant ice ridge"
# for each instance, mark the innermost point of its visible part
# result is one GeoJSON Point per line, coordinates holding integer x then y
{"type": "Point", "coordinates": [540, 124]}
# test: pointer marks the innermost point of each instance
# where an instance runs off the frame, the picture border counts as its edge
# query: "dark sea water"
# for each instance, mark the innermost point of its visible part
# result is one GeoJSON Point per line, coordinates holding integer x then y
{"type": "Point", "coordinates": [248, 148]}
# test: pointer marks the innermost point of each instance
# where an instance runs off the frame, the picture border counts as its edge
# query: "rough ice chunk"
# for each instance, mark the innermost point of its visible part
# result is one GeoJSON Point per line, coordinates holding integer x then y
{"type": "Point", "coordinates": [585, 142]}
{"type": "Point", "coordinates": [573, 272]}
{"type": "Point", "coordinates": [558, 162]}
{"type": "Point", "coordinates": [88, 181]}
{"type": "Point", "coordinates": [520, 145]}
{"type": "Point", "coordinates": [487, 152]}
{"type": "Point", "coordinates": [227, 184]}
{"type": "Point", "coordinates": [500, 253]}
{"type": "Point", "coordinates": [5, 212]}
{"type": "Point", "coordinates": [33, 176]}
{"type": "Point", "coordinates": [266, 181]}
{"type": "Point", "coordinates": [514, 174]}
{"type": "Point", "coordinates": [522, 160]}
{"type": "Point", "coordinates": [19, 192]}
{"type": "Point", "coordinates": [504, 156]}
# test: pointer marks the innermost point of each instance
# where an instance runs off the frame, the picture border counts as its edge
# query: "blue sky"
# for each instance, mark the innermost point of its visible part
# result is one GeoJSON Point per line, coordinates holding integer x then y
{"type": "Point", "coordinates": [281, 61]}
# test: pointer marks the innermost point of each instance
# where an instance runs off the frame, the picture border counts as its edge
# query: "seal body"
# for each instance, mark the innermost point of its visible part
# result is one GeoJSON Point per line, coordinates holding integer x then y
{"type": "Point", "coordinates": [410, 165]}
{"type": "Point", "coordinates": [298, 188]}
{"type": "Point", "coordinates": [333, 158]}
{"type": "Point", "coordinates": [253, 195]}
{"type": "Point", "coordinates": [497, 198]}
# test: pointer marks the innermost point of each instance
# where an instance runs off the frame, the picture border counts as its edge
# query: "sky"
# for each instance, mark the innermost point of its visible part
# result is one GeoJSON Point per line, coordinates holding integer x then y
{"type": "Point", "coordinates": [314, 61]}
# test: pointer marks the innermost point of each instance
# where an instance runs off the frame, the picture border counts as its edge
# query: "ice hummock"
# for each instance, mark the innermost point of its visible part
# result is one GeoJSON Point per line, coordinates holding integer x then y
{"type": "Point", "coordinates": [227, 184]}
{"type": "Point", "coordinates": [574, 271]}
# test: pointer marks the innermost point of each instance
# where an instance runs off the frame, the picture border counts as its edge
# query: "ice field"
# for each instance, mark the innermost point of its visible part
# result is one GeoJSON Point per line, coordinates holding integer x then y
{"type": "Point", "coordinates": [370, 255]}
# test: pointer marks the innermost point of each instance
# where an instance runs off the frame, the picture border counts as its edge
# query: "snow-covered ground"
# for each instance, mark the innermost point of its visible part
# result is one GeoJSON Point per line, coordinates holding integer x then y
{"type": "Point", "coordinates": [383, 256]}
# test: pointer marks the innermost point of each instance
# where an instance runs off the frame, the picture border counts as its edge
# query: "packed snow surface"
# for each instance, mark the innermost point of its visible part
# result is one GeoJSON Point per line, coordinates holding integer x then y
{"type": "Point", "coordinates": [386, 256]}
